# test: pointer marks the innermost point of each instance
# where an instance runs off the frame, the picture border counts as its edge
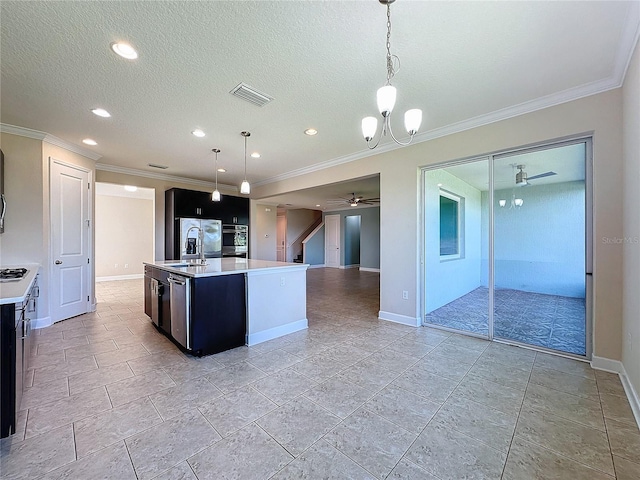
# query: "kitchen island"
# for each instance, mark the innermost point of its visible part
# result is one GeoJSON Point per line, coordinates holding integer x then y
{"type": "Point", "coordinates": [226, 303]}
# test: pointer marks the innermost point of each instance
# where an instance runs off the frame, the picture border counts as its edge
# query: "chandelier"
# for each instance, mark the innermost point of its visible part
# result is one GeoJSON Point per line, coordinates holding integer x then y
{"type": "Point", "coordinates": [387, 99]}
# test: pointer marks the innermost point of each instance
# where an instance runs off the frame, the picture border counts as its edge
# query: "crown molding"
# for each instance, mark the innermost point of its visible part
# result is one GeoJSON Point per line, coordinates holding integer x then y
{"type": "Point", "coordinates": [163, 176]}
{"type": "Point", "coordinates": [45, 137]}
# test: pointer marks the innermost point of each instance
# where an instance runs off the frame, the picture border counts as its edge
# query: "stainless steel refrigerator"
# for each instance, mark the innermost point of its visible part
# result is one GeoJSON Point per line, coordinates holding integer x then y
{"type": "Point", "coordinates": [211, 235]}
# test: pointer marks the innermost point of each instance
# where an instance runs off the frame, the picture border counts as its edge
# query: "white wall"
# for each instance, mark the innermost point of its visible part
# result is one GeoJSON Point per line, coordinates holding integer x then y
{"type": "Point", "coordinates": [125, 240]}
{"type": "Point", "coordinates": [599, 115]}
{"type": "Point", "coordinates": [447, 280]}
{"type": "Point", "coordinates": [539, 247]}
{"type": "Point", "coordinates": [631, 248]}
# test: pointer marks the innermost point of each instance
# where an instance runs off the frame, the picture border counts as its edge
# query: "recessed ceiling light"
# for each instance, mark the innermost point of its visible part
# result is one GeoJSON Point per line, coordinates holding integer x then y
{"type": "Point", "coordinates": [101, 112]}
{"type": "Point", "coordinates": [311, 131]}
{"type": "Point", "coordinates": [124, 50]}
{"type": "Point", "coordinates": [198, 133]}
{"type": "Point", "coordinates": [221, 170]}
{"type": "Point", "coordinates": [255, 155]}
{"type": "Point", "coordinates": [89, 141]}
{"type": "Point", "coordinates": [317, 205]}
{"type": "Point", "coordinates": [439, 184]}
{"type": "Point", "coordinates": [130, 188]}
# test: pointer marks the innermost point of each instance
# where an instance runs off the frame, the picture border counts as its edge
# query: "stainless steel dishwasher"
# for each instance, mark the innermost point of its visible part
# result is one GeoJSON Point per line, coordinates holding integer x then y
{"type": "Point", "coordinates": [180, 291]}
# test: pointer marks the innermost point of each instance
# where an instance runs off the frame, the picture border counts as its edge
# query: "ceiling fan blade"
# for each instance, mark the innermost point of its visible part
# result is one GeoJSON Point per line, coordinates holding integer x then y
{"type": "Point", "coordinates": [542, 175]}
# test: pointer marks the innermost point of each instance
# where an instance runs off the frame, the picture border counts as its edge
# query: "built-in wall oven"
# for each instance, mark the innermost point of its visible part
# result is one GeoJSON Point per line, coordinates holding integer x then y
{"type": "Point", "coordinates": [235, 240]}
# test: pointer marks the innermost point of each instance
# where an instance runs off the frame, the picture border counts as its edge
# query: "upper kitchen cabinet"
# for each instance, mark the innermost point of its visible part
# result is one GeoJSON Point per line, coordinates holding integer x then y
{"type": "Point", "coordinates": [235, 210]}
{"type": "Point", "coordinates": [182, 203]}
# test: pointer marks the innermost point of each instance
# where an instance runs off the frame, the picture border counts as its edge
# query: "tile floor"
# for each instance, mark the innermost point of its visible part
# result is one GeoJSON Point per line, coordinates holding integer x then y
{"type": "Point", "coordinates": [549, 321]}
{"type": "Point", "coordinates": [351, 397]}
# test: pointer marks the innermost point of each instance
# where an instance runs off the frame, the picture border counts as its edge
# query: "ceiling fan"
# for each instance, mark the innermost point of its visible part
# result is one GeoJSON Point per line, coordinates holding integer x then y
{"type": "Point", "coordinates": [522, 180]}
{"type": "Point", "coordinates": [354, 200]}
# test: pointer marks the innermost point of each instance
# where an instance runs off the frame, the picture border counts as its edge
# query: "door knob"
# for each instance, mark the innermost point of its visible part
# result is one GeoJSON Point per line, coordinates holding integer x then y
{"type": "Point", "coordinates": [58, 262]}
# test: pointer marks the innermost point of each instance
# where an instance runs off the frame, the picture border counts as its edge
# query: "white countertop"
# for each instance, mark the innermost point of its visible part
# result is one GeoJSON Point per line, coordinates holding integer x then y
{"type": "Point", "coordinates": [16, 291]}
{"type": "Point", "coordinates": [226, 266]}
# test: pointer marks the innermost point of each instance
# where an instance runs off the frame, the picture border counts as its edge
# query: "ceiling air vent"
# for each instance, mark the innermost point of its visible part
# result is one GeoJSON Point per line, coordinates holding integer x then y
{"type": "Point", "coordinates": [250, 94]}
{"type": "Point", "coordinates": [155, 165]}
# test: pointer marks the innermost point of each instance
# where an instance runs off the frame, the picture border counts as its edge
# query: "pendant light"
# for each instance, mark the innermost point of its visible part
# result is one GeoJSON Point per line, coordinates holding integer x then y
{"type": "Point", "coordinates": [387, 99]}
{"type": "Point", "coordinates": [245, 188]}
{"type": "Point", "coordinates": [215, 196]}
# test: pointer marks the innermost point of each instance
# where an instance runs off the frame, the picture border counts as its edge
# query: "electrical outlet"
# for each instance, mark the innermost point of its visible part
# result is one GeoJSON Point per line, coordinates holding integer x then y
{"type": "Point", "coordinates": [282, 282]}
{"type": "Point", "coordinates": [126, 265]}
{"type": "Point", "coordinates": [405, 295]}
{"type": "Point", "coordinates": [115, 266]}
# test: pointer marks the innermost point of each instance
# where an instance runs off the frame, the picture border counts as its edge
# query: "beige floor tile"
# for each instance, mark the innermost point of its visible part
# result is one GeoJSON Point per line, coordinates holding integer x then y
{"type": "Point", "coordinates": [403, 408]}
{"type": "Point", "coordinates": [62, 370]}
{"type": "Point", "coordinates": [624, 439]}
{"type": "Point", "coordinates": [439, 451]}
{"type": "Point", "coordinates": [456, 351]}
{"type": "Point", "coordinates": [66, 410]}
{"type": "Point", "coordinates": [283, 386]}
{"type": "Point", "coordinates": [371, 441]}
{"type": "Point", "coordinates": [306, 348]}
{"type": "Point", "coordinates": [36, 456]}
{"type": "Point", "coordinates": [609, 383]}
{"type": "Point", "coordinates": [184, 396]}
{"type": "Point", "coordinates": [516, 357]}
{"type": "Point", "coordinates": [91, 349]}
{"type": "Point", "coordinates": [235, 376]}
{"type": "Point", "coordinates": [369, 375]}
{"type": "Point", "coordinates": [494, 395]}
{"type": "Point", "coordinates": [121, 355]}
{"type": "Point", "coordinates": [236, 410]}
{"type": "Point", "coordinates": [626, 470]}
{"type": "Point", "coordinates": [37, 361]}
{"type": "Point", "coordinates": [130, 389]}
{"type": "Point", "coordinates": [159, 448]}
{"type": "Point", "coordinates": [426, 384]}
{"type": "Point", "coordinates": [617, 408]}
{"type": "Point", "coordinates": [298, 424]}
{"type": "Point", "coordinates": [321, 460]}
{"type": "Point", "coordinates": [485, 424]}
{"type": "Point", "coordinates": [112, 462]}
{"type": "Point", "coordinates": [248, 454]}
{"type": "Point", "coordinates": [406, 470]}
{"type": "Point", "coordinates": [274, 361]}
{"type": "Point", "coordinates": [45, 393]}
{"type": "Point", "coordinates": [58, 345]}
{"type": "Point", "coordinates": [182, 471]}
{"type": "Point", "coordinates": [97, 378]}
{"type": "Point", "coordinates": [410, 346]}
{"type": "Point", "coordinates": [182, 372]}
{"type": "Point", "coordinates": [318, 367]}
{"type": "Point", "coordinates": [339, 396]}
{"type": "Point", "coordinates": [429, 336]}
{"type": "Point", "coordinates": [444, 366]}
{"type": "Point", "coordinates": [527, 460]}
{"type": "Point", "coordinates": [573, 384]}
{"type": "Point", "coordinates": [582, 444]}
{"type": "Point", "coordinates": [566, 365]}
{"type": "Point", "coordinates": [571, 407]}
{"type": "Point", "coordinates": [346, 354]}
{"type": "Point", "coordinates": [99, 431]}
{"type": "Point", "coordinates": [155, 361]}
{"type": "Point", "coordinates": [500, 373]}
{"type": "Point", "coordinates": [467, 342]}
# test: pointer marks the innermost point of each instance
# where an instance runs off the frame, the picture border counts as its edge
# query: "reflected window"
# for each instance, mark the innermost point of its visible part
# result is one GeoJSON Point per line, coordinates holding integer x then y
{"type": "Point", "coordinates": [450, 225]}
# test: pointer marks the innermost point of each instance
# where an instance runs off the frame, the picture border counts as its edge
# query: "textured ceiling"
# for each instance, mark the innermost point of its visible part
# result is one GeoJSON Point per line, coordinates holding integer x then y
{"type": "Point", "coordinates": [322, 61]}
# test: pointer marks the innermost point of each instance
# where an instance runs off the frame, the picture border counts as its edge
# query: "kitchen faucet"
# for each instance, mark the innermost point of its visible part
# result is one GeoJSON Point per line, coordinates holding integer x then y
{"type": "Point", "coordinates": [199, 244]}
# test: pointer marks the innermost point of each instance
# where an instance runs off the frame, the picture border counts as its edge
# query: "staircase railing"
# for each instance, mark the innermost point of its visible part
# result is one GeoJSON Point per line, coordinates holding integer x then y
{"type": "Point", "coordinates": [296, 245]}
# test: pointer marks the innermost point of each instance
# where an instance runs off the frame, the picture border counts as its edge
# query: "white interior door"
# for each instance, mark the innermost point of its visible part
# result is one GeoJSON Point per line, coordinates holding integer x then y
{"type": "Point", "coordinates": [332, 241]}
{"type": "Point", "coordinates": [69, 241]}
{"type": "Point", "coordinates": [281, 234]}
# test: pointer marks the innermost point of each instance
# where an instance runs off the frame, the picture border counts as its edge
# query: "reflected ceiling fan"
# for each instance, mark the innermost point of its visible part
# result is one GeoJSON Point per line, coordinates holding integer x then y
{"type": "Point", "coordinates": [353, 201]}
{"type": "Point", "coordinates": [522, 180]}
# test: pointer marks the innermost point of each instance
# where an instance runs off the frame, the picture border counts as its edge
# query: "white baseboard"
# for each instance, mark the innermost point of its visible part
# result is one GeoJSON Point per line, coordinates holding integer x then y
{"type": "Point", "coordinates": [367, 269]}
{"type": "Point", "coordinates": [41, 323]}
{"type": "Point", "coordinates": [403, 319]}
{"type": "Point", "coordinates": [615, 366]}
{"type": "Point", "coordinates": [120, 277]}
{"type": "Point", "coordinates": [344, 267]}
{"type": "Point", "coordinates": [320, 265]}
{"type": "Point", "coordinates": [275, 332]}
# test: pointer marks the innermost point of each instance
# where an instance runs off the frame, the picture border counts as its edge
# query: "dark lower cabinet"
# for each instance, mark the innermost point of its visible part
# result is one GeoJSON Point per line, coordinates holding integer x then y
{"type": "Point", "coordinates": [218, 314]}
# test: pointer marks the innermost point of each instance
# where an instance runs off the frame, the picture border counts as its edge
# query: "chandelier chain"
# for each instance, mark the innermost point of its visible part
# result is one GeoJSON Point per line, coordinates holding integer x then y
{"type": "Point", "coordinates": [390, 71]}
